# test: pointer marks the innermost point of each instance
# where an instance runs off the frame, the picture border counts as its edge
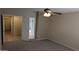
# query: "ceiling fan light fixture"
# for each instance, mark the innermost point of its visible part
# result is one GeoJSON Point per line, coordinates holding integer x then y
{"type": "Point", "coordinates": [49, 11]}
{"type": "Point", "coordinates": [47, 14]}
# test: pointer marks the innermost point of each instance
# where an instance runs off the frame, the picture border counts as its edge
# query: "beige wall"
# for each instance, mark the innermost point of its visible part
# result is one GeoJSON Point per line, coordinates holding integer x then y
{"type": "Point", "coordinates": [42, 29]}
{"type": "Point", "coordinates": [64, 29]}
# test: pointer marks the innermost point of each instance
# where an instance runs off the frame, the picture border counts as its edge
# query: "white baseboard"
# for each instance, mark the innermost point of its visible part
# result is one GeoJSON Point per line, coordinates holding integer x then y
{"type": "Point", "coordinates": [65, 45]}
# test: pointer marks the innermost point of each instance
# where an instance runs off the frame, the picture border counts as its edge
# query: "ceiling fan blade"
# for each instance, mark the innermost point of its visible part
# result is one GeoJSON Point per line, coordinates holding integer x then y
{"type": "Point", "coordinates": [57, 13]}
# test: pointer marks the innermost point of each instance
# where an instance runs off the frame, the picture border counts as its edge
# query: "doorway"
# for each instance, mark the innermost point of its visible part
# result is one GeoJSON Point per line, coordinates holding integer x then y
{"type": "Point", "coordinates": [12, 26]}
{"type": "Point", "coordinates": [32, 28]}
{"type": "Point", "coordinates": [7, 30]}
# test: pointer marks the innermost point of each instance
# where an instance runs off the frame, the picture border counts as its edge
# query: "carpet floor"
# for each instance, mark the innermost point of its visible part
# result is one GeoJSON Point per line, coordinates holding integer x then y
{"type": "Point", "coordinates": [36, 45]}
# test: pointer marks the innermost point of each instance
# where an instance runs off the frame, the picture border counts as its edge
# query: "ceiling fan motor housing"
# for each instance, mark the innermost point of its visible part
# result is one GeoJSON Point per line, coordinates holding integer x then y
{"type": "Point", "coordinates": [47, 10]}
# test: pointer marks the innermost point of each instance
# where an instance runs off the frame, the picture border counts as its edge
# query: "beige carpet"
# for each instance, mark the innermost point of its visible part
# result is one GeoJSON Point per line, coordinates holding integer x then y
{"type": "Point", "coordinates": [36, 45]}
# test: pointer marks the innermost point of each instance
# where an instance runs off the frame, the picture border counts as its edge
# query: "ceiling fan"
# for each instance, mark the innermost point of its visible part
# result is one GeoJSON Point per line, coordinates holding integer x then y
{"type": "Point", "coordinates": [48, 13]}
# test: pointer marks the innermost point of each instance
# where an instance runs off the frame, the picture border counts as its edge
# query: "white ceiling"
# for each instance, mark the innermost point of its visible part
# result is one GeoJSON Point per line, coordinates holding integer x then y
{"type": "Point", "coordinates": [61, 10]}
